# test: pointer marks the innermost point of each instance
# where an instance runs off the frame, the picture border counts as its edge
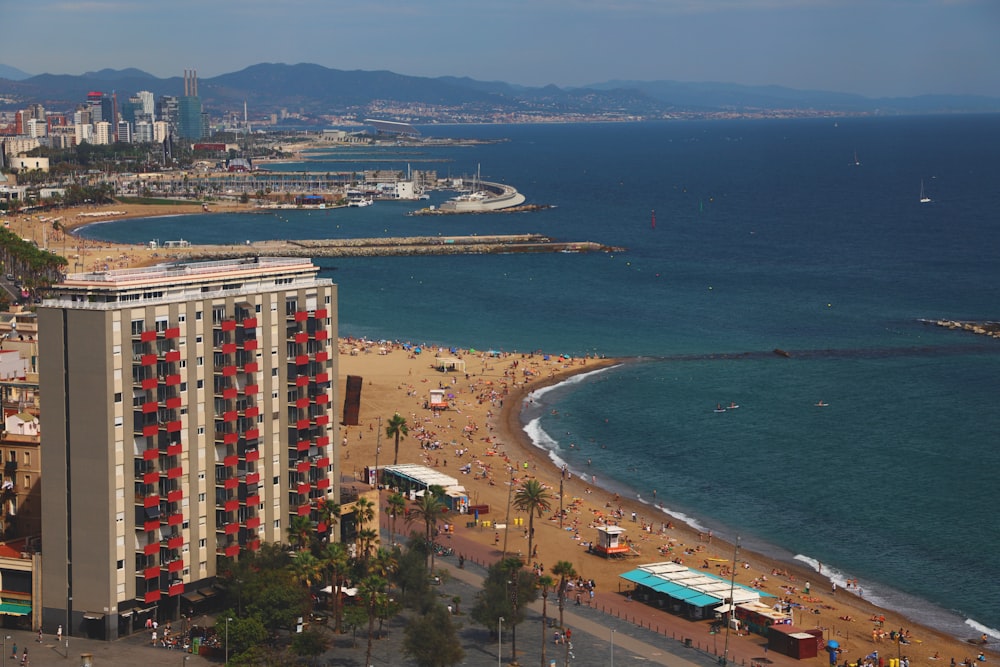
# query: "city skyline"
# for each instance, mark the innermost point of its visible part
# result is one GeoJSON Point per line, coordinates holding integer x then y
{"type": "Point", "coordinates": [877, 48]}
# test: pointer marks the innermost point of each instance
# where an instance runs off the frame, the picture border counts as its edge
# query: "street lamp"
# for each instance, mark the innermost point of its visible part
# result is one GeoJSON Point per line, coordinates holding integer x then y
{"type": "Point", "coordinates": [499, 639]}
{"type": "Point", "coordinates": [612, 647]}
{"type": "Point", "coordinates": [227, 639]}
{"type": "Point", "coordinates": [6, 637]}
{"type": "Point", "coordinates": [732, 602]}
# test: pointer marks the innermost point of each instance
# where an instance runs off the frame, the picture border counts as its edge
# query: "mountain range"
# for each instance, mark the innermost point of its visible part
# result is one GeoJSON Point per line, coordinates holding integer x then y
{"type": "Point", "coordinates": [311, 90]}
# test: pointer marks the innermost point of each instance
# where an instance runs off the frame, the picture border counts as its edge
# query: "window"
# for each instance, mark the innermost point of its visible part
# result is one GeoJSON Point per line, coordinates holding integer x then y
{"type": "Point", "coordinates": [277, 523]}
{"type": "Point", "coordinates": [201, 497]}
{"type": "Point", "coordinates": [118, 420]}
{"type": "Point", "coordinates": [138, 326]}
{"type": "Point", "coordinates": [202, 543]}
{"type": "Point", "coordinates": [27, 459]}
{"type": "Point", "coordinates": [199, 361]}
{"type": "Point", "coordinates": [201, 430]}
{"type": "Point", "coordinates": [197, 314]}
{"type": "Point", "coordinates": [118, 397]}
{"type": "Point", "coordinates": [184, 387]}
{"type": "Point", "coordinates": [198, 339]}
{"type": "Point", "coordinates": [120, 564]}
{"type": "Point", "coordinates": [276, 480]}
{"type": "Point", "coordinates": [182, 318]}
{"type": "Point", "coordinates": [27, 481]}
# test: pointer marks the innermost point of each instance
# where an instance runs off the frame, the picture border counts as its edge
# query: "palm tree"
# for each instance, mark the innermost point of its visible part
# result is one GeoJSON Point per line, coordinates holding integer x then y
{"type": "Point", "coordinates": [396, 505]}
{"type": "Point", "coordinates": [532, 498]}
{"type": "Point", "coordinates": [396, 428]}
{"type": "Point", "coordinates": [564, 570]}
{"type": "Point", "coordinates": [370, 590]}
{"type": "Point", "coordinates": [545, 583]}
{"type": "Point", "coordinates": [337, 565]}
{"type": "Point", "coordinates": [430, 508]}
{"type": "Point", "coordinates": [306, 568]}
{"type": "Point", "coordinates": [299, 532]}
{"type": "Point", "coordinates": [328, 512]}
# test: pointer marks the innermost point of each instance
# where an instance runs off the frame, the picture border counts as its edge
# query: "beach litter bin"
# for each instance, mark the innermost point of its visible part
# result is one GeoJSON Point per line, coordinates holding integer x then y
{"type": "Point", "coordinates": [86, 660]}
{"type": "Point", "coordinates": [687, 642]}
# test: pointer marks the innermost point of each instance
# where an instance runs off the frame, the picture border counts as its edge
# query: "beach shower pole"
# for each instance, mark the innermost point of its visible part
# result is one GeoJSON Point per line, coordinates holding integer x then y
{"type": "Point", "coordinates": [506, 526]}
{"type": "Point", "coordinates": [499, 640]}
{"type": "Point", "coordinates": [732, 606]}
{"type": "Point", "coordinates": [561, 476]}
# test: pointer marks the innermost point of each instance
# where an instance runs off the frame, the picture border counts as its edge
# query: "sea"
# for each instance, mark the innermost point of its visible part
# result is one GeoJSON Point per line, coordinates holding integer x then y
{"type": "Point", "coordinates": [771, 264]}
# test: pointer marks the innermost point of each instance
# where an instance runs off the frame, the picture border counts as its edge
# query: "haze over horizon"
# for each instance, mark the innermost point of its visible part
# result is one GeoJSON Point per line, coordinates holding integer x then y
{"type": "Point", "coordinates": [876, 48]}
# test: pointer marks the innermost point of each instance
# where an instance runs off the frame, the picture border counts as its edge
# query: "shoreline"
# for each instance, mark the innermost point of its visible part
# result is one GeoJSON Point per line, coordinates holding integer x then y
{"type": "Point", "coordinates": [798, 566]}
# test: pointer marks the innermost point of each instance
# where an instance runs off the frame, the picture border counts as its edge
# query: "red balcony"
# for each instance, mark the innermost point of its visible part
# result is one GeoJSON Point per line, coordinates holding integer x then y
{"type": "Point", "coordinates": [302, 466]}
{"type": "Point", "coordinates": [151, 572]}
{"type": "Point", "coordinates": [151, 501]}
{"type": "Point", "coordinates": [251, 344]}
{"type": "Point", "coordinates": [253, 500]}
{"type": "Point", "coordinates": [232, 528]}
{"type": "Point", "coordinates": [150, 429]}
{"type": "Point", "coordinates": [322, 334]}
{"type": "Point", "coordinates": [150, 454]}
{"type": "Point", "coordinates": [322, 356]}
{"type": "Point", "coordinates": [150, 383]}
{"type": "Point", "coordinates": [252, 434]}
{"type": "Point", "coordinates": [252, 411]}
{"type": "Point", "coordinates": [250, 323]}
{"type": "Point", "coordinates": [304, 509]}
{"type": "Point", "coordinates": [252, 477]}
{"type": "Point", "coordinates": [175, 519]}
{"type": "Point", "coordinates": [302, 424]}
{"type": "Point", "coordinates": [301, 316]}
{"type": "Point", "coordinates": [233, 550]}
{"type": "Point", "coordinates": [172, 357]}
{"type": "Point", "coordinates": [174, 449]}
{"type": "Point", "coordinates": [322, 420]}
{"type": "Point", "coordinates": [151, 525]}
{"type": "Point", "coordinates": [302, 445]}
{"type": "Point", "coordinates": [175, 542]}
{"type": "Point", "coordinates": [149, 407]}
{"type": "Point", "coordinates": [302, 381]}
{"type": "Point", "coordinates": [322, 377]}
{"type": "Point", "coordinates": [175, 472]}
{"type": "Point", "coordinates": [302, 403]}
{"type": "Point", "coordinates": [302, 360]}
{"type": "Point", "coordinates": [172, 332]}
{"type": "Point", "coordinates": [176, 589]}
{"type": "Point", "coordinates": [322, 483]}
{"type": "Point", "coordinates": [230, 415]}
{"type": "Point", "coordinates": [253, 455]}
{"type": "Point", "coordinates": [174, 403]}
{"type": "Point", "coordinates": [231, 460]}
{"type": "Point", "coordinates": [253, 545]}
{"type": "Point", "coordinates": [228, 348]}
{"type": "Point", "coordinates": [252, 389]}
{"type": "Point", "coordinates": [228, 371]}
{"type": "Point", "coordinates": [302, 489]}
{"type": "Point", "coordinates": [173, 380]}
{"type": "Point", "coordinates": [229, 325]}
{"type": "Point", "coordinates": [174, 426]}
{"type": "Point", "coordinates": [148, 360]}
{"type": "Point", "coordinates": [231, 438]}
{"type": "Point", "coordinates": [175, 565]}
{"type": "Point", "coordinates": [321, 313]}
{"type": "Point", "coordinates": [151, 549]}
{"type": "Point", "coordinates": [301, 337]}
{"type": "Point", "coordinates": [174, 496]}
{"type": "Point", "coordinates": [253, 522]}
{"type": "Point", "coordinates": [151, 596]}
{"type": "Point", "coordinates": [150, 477]}
{"type": "Point", "coordinates": [231, 483]}
{"type": "Point", "coordinates": [147, 336]}
{"type": "Point", "coordinates": [251, 367]}
{"type": "Point", "coordinates": [323, 441]}
{"type": "Point", "coordinates": [231, 505]}
{"type": "Point", "coordinates": [229, 393]}
{"type": "Point", "coordinates": [322, 462]}
{"type": "Point", "coordinates": [322, 399]}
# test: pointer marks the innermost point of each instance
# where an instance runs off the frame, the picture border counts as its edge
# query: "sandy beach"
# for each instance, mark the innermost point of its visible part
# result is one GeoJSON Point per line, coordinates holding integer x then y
{"type": "Point", "coordinates": [482, 430]}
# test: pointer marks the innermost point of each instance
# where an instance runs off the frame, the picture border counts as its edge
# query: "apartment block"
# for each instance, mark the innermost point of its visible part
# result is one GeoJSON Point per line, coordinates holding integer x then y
{"type": "Point", "coordinates": [188, 416]}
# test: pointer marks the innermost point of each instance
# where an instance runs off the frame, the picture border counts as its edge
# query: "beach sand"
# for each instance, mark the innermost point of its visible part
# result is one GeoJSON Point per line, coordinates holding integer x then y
{"type": "Point", "coordinates": [484, 420]}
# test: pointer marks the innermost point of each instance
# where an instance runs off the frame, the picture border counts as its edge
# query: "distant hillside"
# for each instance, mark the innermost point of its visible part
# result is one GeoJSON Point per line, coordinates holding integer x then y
{"type": "Point", "coordinates": [313, 90]}
{"type": "Point", "coordinates": [12, 73]}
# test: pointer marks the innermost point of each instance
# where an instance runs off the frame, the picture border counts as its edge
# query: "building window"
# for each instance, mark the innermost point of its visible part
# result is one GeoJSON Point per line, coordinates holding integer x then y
{"type": "Point", "coordinates": [198, 339]}
{"type": "Point", "coordinates": [201, 430]}
{"type": "Point", "coordinates": [275, 481]}
{"type": "Point", "coordinates": [118, 420]}
{"type": "Point", "coordinates": [201, 497]}
{"type": "Point", "coordinates": [118, 397]}
{"type": "Point", "coordinates": [120, 565]}
{"type": "Point", "coordinates": [27, 481]}
{"type": "Point", "coordinates": [27, 459]}
{"type": "Point", "coordinates": [138, 326]}
{"type": "Point", "coordinates": [182, 318]}
{"type": "Point", "coordinates": [199, 361]}
{"type": "Point", "coordinates": [277, 523]}
{"type": "Point", "coordinates": [202, 543]}
{"type": "Point", "coordinates": [197, 314]}
{"type": "Point", "coordinates": [201, 384]}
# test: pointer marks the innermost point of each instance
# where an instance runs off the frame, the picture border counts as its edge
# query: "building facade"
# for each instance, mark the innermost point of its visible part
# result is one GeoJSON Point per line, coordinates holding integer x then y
{"type": "Point", "coordinates": [189, 415]}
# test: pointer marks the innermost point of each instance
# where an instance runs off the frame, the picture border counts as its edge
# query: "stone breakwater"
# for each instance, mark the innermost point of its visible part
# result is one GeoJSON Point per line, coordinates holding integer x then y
{"type": "Point", "coordinates": [991, 329]}
{"type": "Point", "coordinates": [390, 247]}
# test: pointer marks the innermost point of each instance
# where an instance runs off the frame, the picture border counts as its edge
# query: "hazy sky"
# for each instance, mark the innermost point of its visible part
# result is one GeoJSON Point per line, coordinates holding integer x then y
{"type": "Point", "coordinates": [872, 47]}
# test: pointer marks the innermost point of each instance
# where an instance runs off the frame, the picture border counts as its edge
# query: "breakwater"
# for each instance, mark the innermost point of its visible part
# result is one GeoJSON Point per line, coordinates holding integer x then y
{"type": "Point", "coordinates": [390, 247]}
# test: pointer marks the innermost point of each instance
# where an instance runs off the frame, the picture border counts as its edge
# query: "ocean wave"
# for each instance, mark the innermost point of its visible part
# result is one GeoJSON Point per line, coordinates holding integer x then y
{"type": "Point", "coordinates": [982, 629]}
{"type": "Point", "coordinates": [537, 394]}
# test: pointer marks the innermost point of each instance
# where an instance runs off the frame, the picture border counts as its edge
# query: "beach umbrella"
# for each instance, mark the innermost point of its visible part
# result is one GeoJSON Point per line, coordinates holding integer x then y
{"type": "Point", "coordinates": [833, 643]}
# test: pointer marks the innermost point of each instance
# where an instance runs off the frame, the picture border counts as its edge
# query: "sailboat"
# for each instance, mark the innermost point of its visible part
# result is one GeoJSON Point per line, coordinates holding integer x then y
{"type": "Point", "coordinates": [924, 199]}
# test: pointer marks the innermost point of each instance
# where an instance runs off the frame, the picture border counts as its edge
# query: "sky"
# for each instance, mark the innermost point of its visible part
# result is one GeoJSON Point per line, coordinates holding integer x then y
{"type": "Point", "coordinates": [876, 48]}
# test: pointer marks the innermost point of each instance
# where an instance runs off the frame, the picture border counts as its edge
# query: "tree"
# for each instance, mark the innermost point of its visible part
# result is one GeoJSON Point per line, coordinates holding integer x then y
{"type": "Point", "coordinates": [507, 591]}
{"type": "Point", "coordinates": [274, 598]}
{"type": "Point", "coordinates": [532, 498]}
{"type": "Point", "coordinates": [545, 583]}
{"type": "Point", "coordinates": [337, 566]}
{"type": "Point", "coordinates": [432, 640]}
{"type": "Point", "coordinates": [242, 633]}
{"type": "Point", "coordinates": [564, 570]}
{"type": "Point", "coordinates": [430, 508]}
{"type": "Point", "coordinates": [328, 512]}
{"type": "Point", "coordinates": [300, 532]}
{"type": "Point", "coordinates": [396, 428]}
{"type": "Point", "coordinates": [309, 644]}
{"type": "Point", "coordinates": [370, 591]}
{"type": "Point", "coordinates": [395, 505]}
{"type": "Point", "coordinates": [306, 569]}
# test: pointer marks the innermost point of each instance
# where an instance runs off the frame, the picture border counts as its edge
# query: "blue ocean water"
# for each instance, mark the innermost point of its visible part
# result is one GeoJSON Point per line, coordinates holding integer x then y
{"type": "Point", "coordinates": [768, 234]}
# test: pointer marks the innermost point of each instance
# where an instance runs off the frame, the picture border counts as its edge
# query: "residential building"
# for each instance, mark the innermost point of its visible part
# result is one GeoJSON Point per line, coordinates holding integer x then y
{"type": "Point", "coordinates": [189, 415]}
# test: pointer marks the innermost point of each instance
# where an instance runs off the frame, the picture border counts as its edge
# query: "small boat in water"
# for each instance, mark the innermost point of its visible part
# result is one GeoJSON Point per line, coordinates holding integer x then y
{"type": "Point", "coordinates": [732, 405]}
{"type": "Point", "coordinates": [924, 199]}
{"type": "Point", "coordinates": [719, 408]}
{"type": "Point", "coordinates": [821, 404]}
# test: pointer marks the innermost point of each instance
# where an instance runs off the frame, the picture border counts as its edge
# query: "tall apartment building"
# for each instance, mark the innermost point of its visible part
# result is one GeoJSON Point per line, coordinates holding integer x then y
{"type": "Point", "coordinates": [188, 414]}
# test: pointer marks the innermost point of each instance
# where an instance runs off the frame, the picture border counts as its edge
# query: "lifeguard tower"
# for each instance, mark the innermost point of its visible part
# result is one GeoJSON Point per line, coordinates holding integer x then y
{"type": "Point", "coordinates": [437, 400]}
{"type": "Point", "coordinates": [610, 542]}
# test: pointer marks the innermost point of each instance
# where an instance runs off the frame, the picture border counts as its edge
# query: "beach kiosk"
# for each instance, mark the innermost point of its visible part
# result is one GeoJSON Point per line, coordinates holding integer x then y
{"type": "Point", "coordinates": [414, 480]}
{"type": "Point", "coordinates": [437, 400]}
{"type": "Point", "coordinates": [610, 542]}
